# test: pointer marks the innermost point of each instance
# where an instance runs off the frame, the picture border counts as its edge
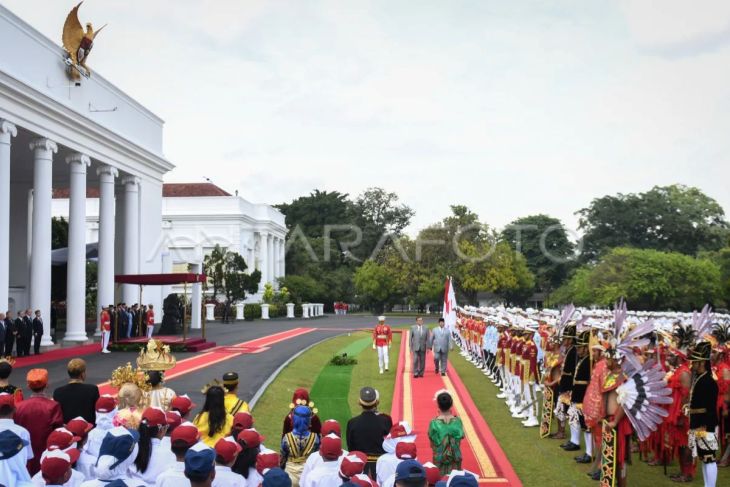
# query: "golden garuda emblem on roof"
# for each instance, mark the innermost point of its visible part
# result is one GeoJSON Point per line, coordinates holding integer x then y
{"type": "Point", "coordinates": [78, 43]}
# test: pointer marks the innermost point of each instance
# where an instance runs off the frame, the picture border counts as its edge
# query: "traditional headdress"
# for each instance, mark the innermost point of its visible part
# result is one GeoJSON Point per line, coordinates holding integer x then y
{"type": "Point", "coordinates": [128, 375]}
{"type": "Point", "coordinates": [156, 356]}
{"type": "Point", "coordinates": [700, 352]}
{"type": "Point", "coordinates": [721, 333]}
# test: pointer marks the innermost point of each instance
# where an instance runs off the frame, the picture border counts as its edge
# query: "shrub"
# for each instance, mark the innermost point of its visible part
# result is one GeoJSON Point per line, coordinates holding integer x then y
{"type": "Point", "coordinates": [343, 359]}
{"type": "Point", "coordinates": [252, 312]}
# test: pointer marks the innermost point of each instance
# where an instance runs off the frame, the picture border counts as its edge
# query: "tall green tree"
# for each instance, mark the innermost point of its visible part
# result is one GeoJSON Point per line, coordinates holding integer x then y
{"type": "Point", "coordinates": [673, 218]}
{"type": "Point", "coordinates": [544, 243]}
{"type": "Point", "coordinates": [380, 217]}
{"type": "Point", "coordinates": [226, 271]}
{"type": "Point", "coordinates": [646, 279]}
{"type": "Point", "coordinates": [375, 285]}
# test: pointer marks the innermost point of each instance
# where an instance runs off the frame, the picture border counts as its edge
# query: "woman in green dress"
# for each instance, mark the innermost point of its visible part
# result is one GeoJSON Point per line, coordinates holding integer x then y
{"type": "Point", "coordinates": [445, 433]}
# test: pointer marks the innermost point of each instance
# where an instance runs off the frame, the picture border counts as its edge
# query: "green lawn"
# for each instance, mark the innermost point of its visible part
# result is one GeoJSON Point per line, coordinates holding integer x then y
{"type": "Point", "coordinates": [541, 462]}
{"type": "Point", "coordinates": [334, 389]}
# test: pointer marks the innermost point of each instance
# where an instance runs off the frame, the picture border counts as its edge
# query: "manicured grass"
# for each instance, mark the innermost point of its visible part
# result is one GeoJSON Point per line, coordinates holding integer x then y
{"type": "Point", "coordinates": [332, 389]}
{"type": "Point", "coordinates": [541, 462]}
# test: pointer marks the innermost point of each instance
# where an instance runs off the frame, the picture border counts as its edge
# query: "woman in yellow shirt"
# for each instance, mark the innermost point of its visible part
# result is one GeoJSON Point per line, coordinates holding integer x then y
{"type": "Point", "coordinates": [213, 421]}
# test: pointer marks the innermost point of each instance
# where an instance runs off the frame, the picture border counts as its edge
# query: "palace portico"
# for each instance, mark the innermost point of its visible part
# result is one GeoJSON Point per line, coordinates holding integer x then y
{"type": "Point", "coordinates": [56, 134]}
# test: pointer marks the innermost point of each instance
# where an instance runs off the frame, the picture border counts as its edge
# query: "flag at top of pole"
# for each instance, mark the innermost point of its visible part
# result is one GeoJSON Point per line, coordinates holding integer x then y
{"type": "Point", "coordinates": [449, 312]}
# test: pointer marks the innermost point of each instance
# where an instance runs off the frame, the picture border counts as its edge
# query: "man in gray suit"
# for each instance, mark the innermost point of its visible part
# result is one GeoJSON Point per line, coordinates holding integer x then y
{"type": "Point", "coordinates": [440, 345]}
{"type": "Point", "coordinates": [419, 343]}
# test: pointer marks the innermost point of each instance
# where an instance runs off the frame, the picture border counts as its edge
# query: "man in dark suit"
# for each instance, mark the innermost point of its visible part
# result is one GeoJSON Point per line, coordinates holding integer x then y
{"type": "Point", "coordinates": [135, 320]}
{"type": "Point", "coordinates": [37, 332]}
{"type": "Point", "coordinates": [20, 333]}
{"type": "Point", "coordinates": [10, 333]}
{"type": "Point", "coordinates": [27, 331]}
{"type": "Point", "coordinates": [2, 329]}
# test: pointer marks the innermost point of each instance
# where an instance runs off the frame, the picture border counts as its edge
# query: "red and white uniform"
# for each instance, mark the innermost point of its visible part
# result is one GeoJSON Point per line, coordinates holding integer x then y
{"type": "Point", "coordinates": [382, 338]}
{"type": "Point", "coordinates": [150, 322]}
{"type": "Point", "coordinates": [106, 330]}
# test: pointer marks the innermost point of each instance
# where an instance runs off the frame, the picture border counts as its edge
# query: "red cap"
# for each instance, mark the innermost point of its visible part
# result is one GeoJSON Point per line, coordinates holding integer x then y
{"type": "Point", "coordinates": [363, 480]}
{"type": "Point", "coordinates": [79, 426]}
{"type": "Point", "coordinates": [154, 417]}
{"type": "Point", "coordinates": [406, 450]}
{"type": "Point", "coordinates": [266, 460]}
{"type": "Point", "coordinates": [173, 420]}
{"type": "Point", "coordinates": [331, 447]}
{"type": "Point", "coordinates": [61, 438]}
{"type": "Point", "coordinates": [353, 464]}
{"type": "Point", "coordinates": [106, 404]}
{"type": "Point", "coordinates": [243, 420]}
{"type": "Point", "coordinates": [7, 399]}
{"type": "Point", "coordinates": [250, 437]}
{"type": "Point", "coordinates": [186, 432]}
{"type": "Point", "coordinates": [182, 404]}
{"type": "Point", "coordinates": [433, 474]}
{"type": "Point", "coordinates": [331, 426]}
{"type": "Point", "coordinates": [55, 463]}
{"type": "Point", "coordinates": [227, 449]}
{"type": "Point", "coordinates": [400, 430]}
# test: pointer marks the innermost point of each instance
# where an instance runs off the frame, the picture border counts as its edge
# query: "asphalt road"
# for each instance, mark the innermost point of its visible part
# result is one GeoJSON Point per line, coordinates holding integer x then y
{"type": "Point", "coordinates": [253, 369]}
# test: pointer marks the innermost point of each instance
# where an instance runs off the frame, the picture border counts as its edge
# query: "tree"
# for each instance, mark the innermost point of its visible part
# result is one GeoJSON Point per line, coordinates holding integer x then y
{"type": "Point", "coordinates": [302, 288]}
{"type": "Point", "coordinates": [59, 233]}
{"type": "Point", "coordinates": [226, 271]}
{"type": "Point", "coordinates": [646, 279]}
{"type": "Point", "coordinates": [379, 217]}
{"type": "Point", "coordinates": [544, 243]}
{"type": "Point", "coordinates": [673, 218]}
{"type": "Point", "coordinates": [375, 285]}
{"type": "Point", "coordinates": [313, 212]}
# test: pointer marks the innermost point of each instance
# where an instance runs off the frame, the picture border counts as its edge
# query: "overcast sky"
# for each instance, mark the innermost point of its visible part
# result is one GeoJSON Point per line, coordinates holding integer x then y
{"type": "Point", "coordinates": [509, 107]}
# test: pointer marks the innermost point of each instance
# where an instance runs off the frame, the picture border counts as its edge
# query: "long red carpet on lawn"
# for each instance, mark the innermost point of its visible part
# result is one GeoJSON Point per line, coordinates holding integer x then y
{"type": "Point", "coordinates": [58, 354]}
{"type": "Point", "coordinates": [414, 402]}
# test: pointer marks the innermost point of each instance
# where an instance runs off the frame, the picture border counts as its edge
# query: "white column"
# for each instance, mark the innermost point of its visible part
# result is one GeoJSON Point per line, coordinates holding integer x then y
{"type": "Point", "coordinates": [7, 131]}
{"type": "Point", "coordinates": [76, 274]}
{"type": "Point", "coordinates": [105, 271]}
{"type": "Point", "coordinates": [130, 292]}
{"type": "Point", "coordinates": [282, 245]}
{"type": "Point", "coordinates": [270, 258]}
{"type": "Point", "coordinates": [40, 262]}
{"type": "Point", "coordinates": [196, 301]}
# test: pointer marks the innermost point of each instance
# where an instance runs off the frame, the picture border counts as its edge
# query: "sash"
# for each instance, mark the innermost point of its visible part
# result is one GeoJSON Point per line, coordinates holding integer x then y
{"type": "Point", "coordinates": [236, 407]}
{"type": "Point", "coordinates": [608, 456]}
{"type": "Point", "coordinates": [297, 454]}
{"type": "Point", "coordinates": [548, 404]}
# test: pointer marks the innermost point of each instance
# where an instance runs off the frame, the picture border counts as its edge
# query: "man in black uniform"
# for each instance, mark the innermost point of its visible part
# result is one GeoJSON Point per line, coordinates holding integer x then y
{"type": "Point", "coordinates": [37, 332]}
{"type": "Point", "coordinates": [27, 331]}
{"type": "Point", "coordinates": [702, 412]}
{"type": "Point", "coordinates": [10, 333]}
{"type": "Point", "coordinates": [581, 379]}
{"type": "Point", "coordinates": [365, 432]}
{"type": "Point", "coordinates": [566, 382]}
{"type": "Point", "coordinates": [20, 333]}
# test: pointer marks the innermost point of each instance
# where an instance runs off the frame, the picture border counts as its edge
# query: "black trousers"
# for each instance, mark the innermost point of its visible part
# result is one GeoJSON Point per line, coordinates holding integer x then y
{"type": "Point", "coordinates": [37, 343]}
{"type": "Point", "coordinates": [25, 345]}
{"type": "Point", "coordinates": [9, 343]}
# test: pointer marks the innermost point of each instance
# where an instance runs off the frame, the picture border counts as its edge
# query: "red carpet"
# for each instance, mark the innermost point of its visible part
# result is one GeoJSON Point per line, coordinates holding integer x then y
{"type": "Point", "coordinates": [219, 354]}
{"type": "Point", "coordinates": [58, 354]}
{"type": "Point", "coordinates": [480, 450]}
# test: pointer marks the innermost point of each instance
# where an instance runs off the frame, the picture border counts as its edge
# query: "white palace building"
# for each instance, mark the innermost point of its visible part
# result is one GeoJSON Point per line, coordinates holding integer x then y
{"type": "Point", "coordinates": [89, 136]}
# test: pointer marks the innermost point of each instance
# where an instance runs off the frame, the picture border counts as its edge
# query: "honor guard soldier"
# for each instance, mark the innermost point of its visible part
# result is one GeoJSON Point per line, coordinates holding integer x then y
{"type": "Point", "coordinates": [106, 329]}
{"type": "Point", "coordinates": [232, 403]}
{"type": "Point", "coordinates": [382, 338]}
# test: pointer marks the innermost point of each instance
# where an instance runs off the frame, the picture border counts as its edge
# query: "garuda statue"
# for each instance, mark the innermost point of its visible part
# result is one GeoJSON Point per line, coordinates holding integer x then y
{"type": "Point", "coordinates": [78, 43]}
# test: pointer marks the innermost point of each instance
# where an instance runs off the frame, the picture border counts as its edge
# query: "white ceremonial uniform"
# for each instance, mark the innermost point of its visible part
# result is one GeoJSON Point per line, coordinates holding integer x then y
{"type": "Point", "coordinates": [254, 478]}
{"type": "Point", "coordinates": [385, 466]}
{"type": "Point", "coordinates": [313, 461]}
{"type": "Point", "coordinates": [324, 469]}
{"type": "Point", "coordinates": [77, 478]}
{"type": "Point", "coordinates": [174, 476]}
{"type": "Point", "coordinates": [9, 424]}
{"type": "Point", "coordinates": [225, 477]}
{"type": "Point", "coordinates": [160, 460]}
{"type": "Point", "coordinates": [85, 465]}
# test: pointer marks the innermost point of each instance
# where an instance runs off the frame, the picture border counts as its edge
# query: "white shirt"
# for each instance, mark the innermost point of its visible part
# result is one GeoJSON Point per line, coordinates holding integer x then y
{"type": "Point", "coordinates": [254, 478]}
{"type": "Point", "coordinates": [85, 465]}
{"type": "Point", "coordinates": [102, 483]}
{"type": "Point", "coordinates": [225, 477]}
{"type": "Point", "coordinates": [77, 478]}
{"type": "Point", "coordinates": [160, 460]}
{"type": "Point", "coordinates": [94, 439]}
{"type": "Point", "coordinates": [174, 476]}
{"type": "Point", "coordinates": [313, 461]}
{"type": "Point", "coordinates": [325, 476]}
{"type": "Point", "coordinates": [9, 424]}
{"type": "Point", "coordinates": [385, 466]}
{"type": "Point", "coordinates": [389, 482]}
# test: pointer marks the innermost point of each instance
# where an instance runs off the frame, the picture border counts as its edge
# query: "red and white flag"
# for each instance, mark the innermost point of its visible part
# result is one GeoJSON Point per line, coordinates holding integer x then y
{"type": "Point", "coordinates": [449, 312]}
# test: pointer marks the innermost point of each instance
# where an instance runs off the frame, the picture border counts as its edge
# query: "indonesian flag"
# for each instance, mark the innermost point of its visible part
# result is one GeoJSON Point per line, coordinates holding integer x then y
{"type": "Point", "coordinates": [449, 313]}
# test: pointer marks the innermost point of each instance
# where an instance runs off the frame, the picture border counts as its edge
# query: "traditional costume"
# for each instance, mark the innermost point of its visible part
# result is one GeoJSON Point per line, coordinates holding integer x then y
{"type": "Point", "coordinates": [382, 338]}
{"type": "Point", "coordinates": [298, 444]}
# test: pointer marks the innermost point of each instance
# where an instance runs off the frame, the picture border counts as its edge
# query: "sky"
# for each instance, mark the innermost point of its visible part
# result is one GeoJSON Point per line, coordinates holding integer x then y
{"type": "Point", "coordinates": [509, 107]}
